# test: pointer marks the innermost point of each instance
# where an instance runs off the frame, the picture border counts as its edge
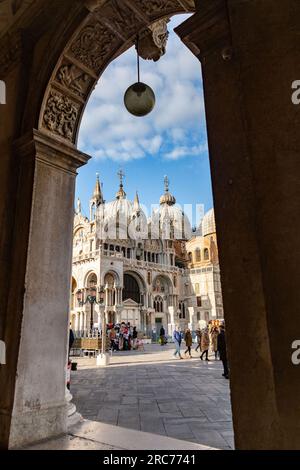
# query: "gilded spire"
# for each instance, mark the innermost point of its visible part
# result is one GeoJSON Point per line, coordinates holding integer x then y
{"type": "Point", "coordinates": [167, 198]}
{"type": "Point", "coordinates": [136, 202]}
{"type": "Point", "coordinates": [97, 191]}
{"type": "Point", "coordinates": [121, 193]}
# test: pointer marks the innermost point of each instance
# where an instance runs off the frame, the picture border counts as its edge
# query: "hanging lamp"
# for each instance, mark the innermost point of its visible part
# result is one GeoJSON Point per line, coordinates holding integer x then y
{"type": "Point", "coordinates": [139, 98]}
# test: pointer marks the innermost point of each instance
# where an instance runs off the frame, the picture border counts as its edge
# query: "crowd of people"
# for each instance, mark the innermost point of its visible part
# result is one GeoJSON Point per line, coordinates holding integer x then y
{"type": "Point", "coordinates": [211, 337]}
{"type": "Point", "coordinates": [123, 337]}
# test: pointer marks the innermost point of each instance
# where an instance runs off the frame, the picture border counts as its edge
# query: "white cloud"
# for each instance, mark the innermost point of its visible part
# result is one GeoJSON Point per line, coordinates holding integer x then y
{"type": "Point", "coordinates": [176, 126]}
{"type": "Point", "coordinates": [182, 152]}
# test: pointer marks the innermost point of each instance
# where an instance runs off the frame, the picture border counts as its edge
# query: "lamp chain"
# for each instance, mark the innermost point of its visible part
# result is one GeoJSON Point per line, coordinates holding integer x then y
{"type": "Point", "coordinates": [138, 57]}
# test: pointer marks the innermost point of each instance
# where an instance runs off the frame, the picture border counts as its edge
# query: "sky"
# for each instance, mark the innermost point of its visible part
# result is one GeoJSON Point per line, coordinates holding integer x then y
{"type": "Point", "coordinates": [171, 140]}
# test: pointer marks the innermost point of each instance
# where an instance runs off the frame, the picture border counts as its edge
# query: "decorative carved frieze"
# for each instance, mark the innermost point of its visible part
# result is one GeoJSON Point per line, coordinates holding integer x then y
{"type": "Point", "coordinates": [120, 18]}
{"type": "Point", "coordinates": [60, 115]}
{"type": "Point", "coordinates": [107, 30]}
{"type": "Point", "coordinates": [74, 79]}
{"type": "Point", "coordinates": [93, 45]}
{"type": "Point", "coordinates": [157, 7]}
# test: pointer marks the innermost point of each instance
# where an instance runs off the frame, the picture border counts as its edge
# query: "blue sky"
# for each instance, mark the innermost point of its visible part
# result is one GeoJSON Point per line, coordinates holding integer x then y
{"type": "Point", "coordinates": [170, 141]}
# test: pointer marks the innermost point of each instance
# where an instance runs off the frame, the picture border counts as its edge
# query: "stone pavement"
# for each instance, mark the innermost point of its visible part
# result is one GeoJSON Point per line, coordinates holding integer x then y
{"type": "Point", "coordinates": [150, 391]}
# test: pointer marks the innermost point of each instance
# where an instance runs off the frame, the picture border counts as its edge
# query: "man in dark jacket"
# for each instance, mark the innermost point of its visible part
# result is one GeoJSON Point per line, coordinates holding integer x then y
{"type": "Point", "coordinates": [222, 350]}
{"type": "Point", "coordinates": [71, 339]}
{"type": "Point", "coordinates": [177, 340]}
{"type": "Point", "coordinates": [162, 336]}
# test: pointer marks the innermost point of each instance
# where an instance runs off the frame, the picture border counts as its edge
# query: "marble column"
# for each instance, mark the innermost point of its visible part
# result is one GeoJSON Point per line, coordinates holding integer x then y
{"type": "Point", "coordinates": [40, 409]}
{"type": "Point", "coordinates": [76, 322]}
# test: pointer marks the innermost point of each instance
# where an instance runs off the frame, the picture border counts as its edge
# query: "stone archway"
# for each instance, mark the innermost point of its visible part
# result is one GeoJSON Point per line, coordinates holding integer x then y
{"type": "Point", "coordinates": [247, 62]}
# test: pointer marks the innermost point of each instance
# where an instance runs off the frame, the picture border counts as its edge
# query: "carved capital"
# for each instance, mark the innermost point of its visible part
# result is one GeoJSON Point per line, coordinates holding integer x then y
{"type": "Point", "coordinates": [48, 150]}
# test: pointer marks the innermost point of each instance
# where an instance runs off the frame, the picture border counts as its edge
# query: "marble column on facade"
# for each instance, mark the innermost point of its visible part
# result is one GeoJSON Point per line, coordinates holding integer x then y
{"type": "Point", "coordinates": [41, 411]}
{"type": "Point", "coordinates": [171, 324]}
{"type": "Point", "coordinates": [119, 295]}
{"type": "Point", "coordinates": [106, 296]}
{"type": "Point", "coordinates": [249, 53]}
{"type": "Point", "coordinates": [81, 322]}
{"type": "Point", "coordinates": [76, 321]}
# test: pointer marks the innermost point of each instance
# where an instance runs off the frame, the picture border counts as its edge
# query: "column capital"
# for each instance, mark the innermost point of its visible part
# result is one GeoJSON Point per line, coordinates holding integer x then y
{"type": "Point", "coordinates": [50, 151]}
{"type": "Point", "coordinates": [208, 30]}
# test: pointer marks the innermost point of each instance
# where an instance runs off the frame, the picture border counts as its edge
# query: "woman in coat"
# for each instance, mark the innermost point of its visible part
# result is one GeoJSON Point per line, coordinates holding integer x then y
{"type": "Point", "coordinates": [205, 343]}
{"type": "Point", "coordinates": [214, 341]}
{"type": "Point", "coordinates": [188, 341]}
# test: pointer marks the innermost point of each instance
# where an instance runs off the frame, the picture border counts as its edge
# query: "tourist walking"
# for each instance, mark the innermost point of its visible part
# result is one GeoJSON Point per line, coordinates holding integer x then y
{"type": "Point", "coordinates": [223, 351]}
{"type": "Point", "coordinates": [112, 338]}
{"type": "Point", "coordinates": [177, 340]}
{"type": "Point", "coordinates": [198, 334]}
{"type": "Point", "coordinates": [214, 341]}
{"type": "Point", "coordinates": [71, 339]}
{"type": "Point", "coordinates": [134, 337]}
{"type": "Point", "coordinates": [188, 341]}
{"type": "Point", "coordinates": [205, 343]}
{"type": "Point", "coordinates": [162, 336]}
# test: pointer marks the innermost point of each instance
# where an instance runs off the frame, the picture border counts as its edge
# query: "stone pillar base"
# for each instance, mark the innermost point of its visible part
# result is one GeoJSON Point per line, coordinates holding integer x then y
{"type": "Point", "coordinates": [47, 423]}
{"type": "Point", "coordinates": [72, 416]}
{"type": "Point", "coordinates": [103, 360]}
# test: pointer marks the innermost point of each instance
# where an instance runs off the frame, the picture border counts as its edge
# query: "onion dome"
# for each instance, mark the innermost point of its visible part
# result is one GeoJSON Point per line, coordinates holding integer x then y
{"type": "Point", "coordinates": [208, 223]}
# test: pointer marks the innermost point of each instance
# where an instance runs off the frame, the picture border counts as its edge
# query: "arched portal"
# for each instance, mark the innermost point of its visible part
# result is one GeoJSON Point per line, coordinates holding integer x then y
{"type": "Point", "coordinates": [131, 288]}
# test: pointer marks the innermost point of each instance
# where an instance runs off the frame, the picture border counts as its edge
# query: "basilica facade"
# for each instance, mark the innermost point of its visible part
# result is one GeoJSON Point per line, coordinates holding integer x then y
{"type": "Point", "coordinates": [149, 271]}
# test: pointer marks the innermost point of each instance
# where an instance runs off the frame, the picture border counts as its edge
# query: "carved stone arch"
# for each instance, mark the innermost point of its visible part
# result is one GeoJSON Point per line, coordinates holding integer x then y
{"type": "Point", "coordinates": [77, 229]}
{"type": "Point", "coordinates": [114, 274]}
{"type": "Point", "coordinates": [74, 284]}
{"type": "Point", "coordinates": [105, 33]}
{"type": "Point", "coordinates": [162, 278]}
{"type": "Point", "coordinates": [88, 276]}
{"type": "Point", "coordinates": [139, 278]}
